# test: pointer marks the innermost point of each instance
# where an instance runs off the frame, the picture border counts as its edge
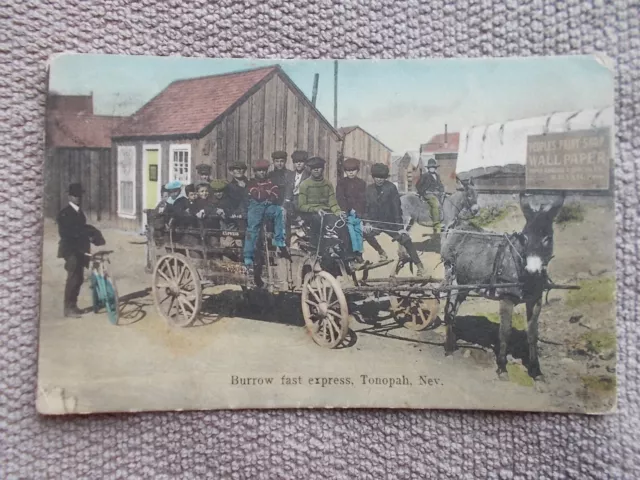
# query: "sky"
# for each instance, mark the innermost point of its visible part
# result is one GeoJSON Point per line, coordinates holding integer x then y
{"type": "Point", "coordinates": [401, 102]}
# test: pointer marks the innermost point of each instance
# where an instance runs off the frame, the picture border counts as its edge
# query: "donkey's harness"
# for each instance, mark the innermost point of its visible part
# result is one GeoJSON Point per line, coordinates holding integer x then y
{"type": "Point", "coordinates": [496, 272]}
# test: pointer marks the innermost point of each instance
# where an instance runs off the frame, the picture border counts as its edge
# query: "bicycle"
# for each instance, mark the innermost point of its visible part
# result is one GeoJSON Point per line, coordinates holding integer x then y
{"type": "Point", "coordinates": [103, 286]}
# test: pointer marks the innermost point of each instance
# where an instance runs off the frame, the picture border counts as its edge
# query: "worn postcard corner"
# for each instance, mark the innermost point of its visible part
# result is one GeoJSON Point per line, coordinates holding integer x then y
{"type": "Point", "coordinates": [230, 234]}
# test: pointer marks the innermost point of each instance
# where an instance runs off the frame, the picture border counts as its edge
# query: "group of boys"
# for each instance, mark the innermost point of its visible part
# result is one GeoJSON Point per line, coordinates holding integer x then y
{"type": "Point", "coordinates": [366, 210]}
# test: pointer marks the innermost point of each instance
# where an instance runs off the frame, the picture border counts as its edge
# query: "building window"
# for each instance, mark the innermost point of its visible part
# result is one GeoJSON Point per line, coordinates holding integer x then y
{"type": "Point", "coordinates": [181, 163]}
{"type": "Point", "coordinates": [127, 181]}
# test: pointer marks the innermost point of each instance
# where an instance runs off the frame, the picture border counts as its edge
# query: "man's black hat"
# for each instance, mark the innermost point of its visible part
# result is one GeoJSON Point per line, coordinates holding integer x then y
{"type": "Point", "coordinates": [76, 190]}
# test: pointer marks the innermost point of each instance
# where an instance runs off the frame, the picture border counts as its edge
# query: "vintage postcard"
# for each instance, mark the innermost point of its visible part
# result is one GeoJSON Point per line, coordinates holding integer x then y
{"type": "Point", "coordinates": [227, 233]}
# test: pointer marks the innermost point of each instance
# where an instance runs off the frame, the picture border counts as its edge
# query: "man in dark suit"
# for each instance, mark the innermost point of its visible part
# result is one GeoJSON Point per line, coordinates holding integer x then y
{"type": "Point", "coordinates": [75, 241]}
{"type": "Point", "coordinates": [431, 189]}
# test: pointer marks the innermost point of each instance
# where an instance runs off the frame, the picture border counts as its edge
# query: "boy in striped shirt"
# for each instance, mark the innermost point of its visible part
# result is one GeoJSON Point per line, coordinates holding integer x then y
{"type": "Point", "coordinates": [263, 202]}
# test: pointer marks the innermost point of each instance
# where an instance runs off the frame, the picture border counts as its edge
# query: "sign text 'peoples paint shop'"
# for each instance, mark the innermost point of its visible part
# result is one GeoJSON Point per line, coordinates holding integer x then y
{"type": "Point", "coordinates": [579, 160]}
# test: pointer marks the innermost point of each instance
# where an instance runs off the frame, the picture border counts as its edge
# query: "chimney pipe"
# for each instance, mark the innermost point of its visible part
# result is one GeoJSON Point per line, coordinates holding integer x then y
{"type": "Point", "coordinates": [446, 136]}
{"type": "Point", "coordinates": [335, 94]}
{"type": "Point", "coordinates": [314, 96]}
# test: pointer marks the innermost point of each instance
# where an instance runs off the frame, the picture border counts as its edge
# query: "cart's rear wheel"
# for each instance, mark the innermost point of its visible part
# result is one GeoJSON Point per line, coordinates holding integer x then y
{"type": "Point", "coordinates": [415, 313]}
{"type": "Point", "coordinates": [177, 292]}
{"type": "Point", "coordinates": [325, 309]}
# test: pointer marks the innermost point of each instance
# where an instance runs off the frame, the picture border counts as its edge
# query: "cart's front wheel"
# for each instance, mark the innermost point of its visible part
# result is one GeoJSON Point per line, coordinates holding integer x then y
{"type": "Point", "coordinates": [325, 309]}
{"type": "Point", "coordinates": [177, 292]}
{"type": "Point", "coordinates": [413, 313]}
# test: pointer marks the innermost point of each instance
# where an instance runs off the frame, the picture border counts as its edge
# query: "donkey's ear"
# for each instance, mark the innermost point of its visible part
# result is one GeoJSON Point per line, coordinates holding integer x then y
{"type": "Point", "coordinates": [554, 207]}
{"type": "Point", "coordinates": [471, 184]}
{"type": "Point", "coordinates": [525, 205]}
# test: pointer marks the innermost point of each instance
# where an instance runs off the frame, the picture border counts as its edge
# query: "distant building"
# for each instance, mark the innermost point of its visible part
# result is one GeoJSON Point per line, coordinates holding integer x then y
{"type": "Point", "coordinates": [393, 169]}
{"type": "Point", "coordinates": [78, 149]}
{"type": "Point", "coordinates": [495, 155]}
{"type": "Point", "coordinates": [406, 168]}
{"type": "Point", "coordinates": [360, 144]}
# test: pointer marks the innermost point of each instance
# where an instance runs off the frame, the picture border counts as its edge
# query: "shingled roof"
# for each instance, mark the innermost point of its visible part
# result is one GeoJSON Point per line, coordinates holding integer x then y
{"type": "Point", "coordinates": [187, 107]}
{"type": "Point", "coordinates": [438, 145]}
{"type": "Point", "coordinates": [80, 131]}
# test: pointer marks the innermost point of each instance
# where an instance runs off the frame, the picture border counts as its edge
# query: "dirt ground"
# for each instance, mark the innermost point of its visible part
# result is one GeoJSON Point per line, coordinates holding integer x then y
{"type": "Point", "coordinates": [227, 359]}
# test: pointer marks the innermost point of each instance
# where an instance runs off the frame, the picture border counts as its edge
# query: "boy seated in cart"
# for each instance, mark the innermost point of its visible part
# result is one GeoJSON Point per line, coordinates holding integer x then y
{"type": "Point", "coordinates": [236, 190]}
{"type": "Point", "coordinates": [318, 205]}
{"type": "Point", "coordinates": [263, 202]}
{"type": "Point", "coordinates": [351, 196]}
{"type": "Point", "coordinates": [384, 215]}
{"type": "Point", "coordinates": [213, 209]}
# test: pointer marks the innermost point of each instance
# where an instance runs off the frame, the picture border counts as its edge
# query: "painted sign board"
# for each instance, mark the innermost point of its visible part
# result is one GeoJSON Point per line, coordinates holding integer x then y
{"type": "Point", "coordinates": [578, 160]}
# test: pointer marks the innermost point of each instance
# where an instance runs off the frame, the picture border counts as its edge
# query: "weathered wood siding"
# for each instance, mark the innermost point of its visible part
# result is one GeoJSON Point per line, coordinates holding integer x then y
{"type": "Point", "coordinates": [93, 168]}
{"type": "Point", "coordinates": [359, 144]}
{"type": "Point", "coordinates": [273, 118]}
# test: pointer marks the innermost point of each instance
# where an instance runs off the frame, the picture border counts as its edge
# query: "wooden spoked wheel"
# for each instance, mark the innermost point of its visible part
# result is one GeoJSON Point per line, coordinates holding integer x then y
{"type": "Point", "coordinates": [325, 309]}
{"type": "Point", "coordinates": [415, 313]}
{"type": "Point", "coordinates": [177, 292]}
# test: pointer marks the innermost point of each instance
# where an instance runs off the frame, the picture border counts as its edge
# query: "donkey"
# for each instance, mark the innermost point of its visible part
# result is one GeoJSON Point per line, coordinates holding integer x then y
{"type": "Point", "coordinates": [464, 201]}
{"type": "Point", "coordinates": [483, 258]}
{"type": "Point", "coordinates": [461, 205]}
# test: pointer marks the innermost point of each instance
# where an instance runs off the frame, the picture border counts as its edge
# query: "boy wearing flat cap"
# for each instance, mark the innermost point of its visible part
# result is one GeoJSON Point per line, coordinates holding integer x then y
{"type": "Point", "coordinates": [204, 175]}
{"type": "Point", "coordinates": [282, 177]}
{"type": "Point", "coordinates": [317, 199]}
{"type": "Point", "coordinates": [384, 214]}
{"type": "Point", "coordinates": [263, 202]}
{"type": "Point", "coordinates": [350, 193]}
{"type": "Point", "coordinates": [300, 174]}
{"type": "Point", "coordinates": [237, 188]}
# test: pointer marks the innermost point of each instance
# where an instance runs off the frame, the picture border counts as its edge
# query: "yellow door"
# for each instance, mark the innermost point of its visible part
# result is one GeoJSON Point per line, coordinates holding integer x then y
{"type": "Point", "coordinates": [152, 178]}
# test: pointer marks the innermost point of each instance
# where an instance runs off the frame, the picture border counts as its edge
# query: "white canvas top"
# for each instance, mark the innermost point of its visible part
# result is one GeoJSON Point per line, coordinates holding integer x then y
{"type": "Point", "coordinates": [504, 143]}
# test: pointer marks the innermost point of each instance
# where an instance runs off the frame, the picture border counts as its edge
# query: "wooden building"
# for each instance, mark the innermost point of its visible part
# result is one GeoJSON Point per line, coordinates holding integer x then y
{"type": "Point", "coordinates": [444, 148]}
{"type": "Point", "coordinates": [78, 149]}
{"type": "Point", "coordinates": [360, 144]}
{"type": "Point", "coordinates": [217, 120]}
{"type": "Point", "coordinates": [403, 171]}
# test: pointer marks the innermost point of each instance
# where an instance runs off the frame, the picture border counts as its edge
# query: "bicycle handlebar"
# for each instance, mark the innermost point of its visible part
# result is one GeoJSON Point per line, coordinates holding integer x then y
{"type": "Point", "coordinates": [100, 253]}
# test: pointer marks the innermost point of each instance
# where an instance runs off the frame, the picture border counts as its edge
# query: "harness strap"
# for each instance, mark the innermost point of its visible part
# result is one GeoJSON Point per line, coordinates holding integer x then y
{"type": "Point", "coordinates": [497, 263]}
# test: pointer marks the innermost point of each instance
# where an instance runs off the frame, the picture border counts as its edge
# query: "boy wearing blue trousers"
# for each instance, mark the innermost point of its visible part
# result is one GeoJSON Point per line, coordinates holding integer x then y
{"type": "Point", "coordinates": [350, 193]}
{"type": "Point", "coordinates": [263, 202]}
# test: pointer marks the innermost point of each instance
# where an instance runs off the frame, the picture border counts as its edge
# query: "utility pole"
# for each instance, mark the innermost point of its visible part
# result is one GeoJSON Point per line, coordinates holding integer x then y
{"type": "Point", "coordinates": [314, 95]}
{"type": "Point", "coordinates": [335, 94]}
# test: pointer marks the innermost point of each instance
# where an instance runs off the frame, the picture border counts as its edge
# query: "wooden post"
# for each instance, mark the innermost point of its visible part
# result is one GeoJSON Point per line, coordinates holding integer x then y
{"type": "Point", "coordinates": [335, 94]}
{"type": "Point", "coordinates": [314, 95]}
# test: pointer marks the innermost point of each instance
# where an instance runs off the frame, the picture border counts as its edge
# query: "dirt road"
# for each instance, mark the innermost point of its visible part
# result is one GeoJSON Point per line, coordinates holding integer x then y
{"type": "Point", "coordinates": [252, 359]}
